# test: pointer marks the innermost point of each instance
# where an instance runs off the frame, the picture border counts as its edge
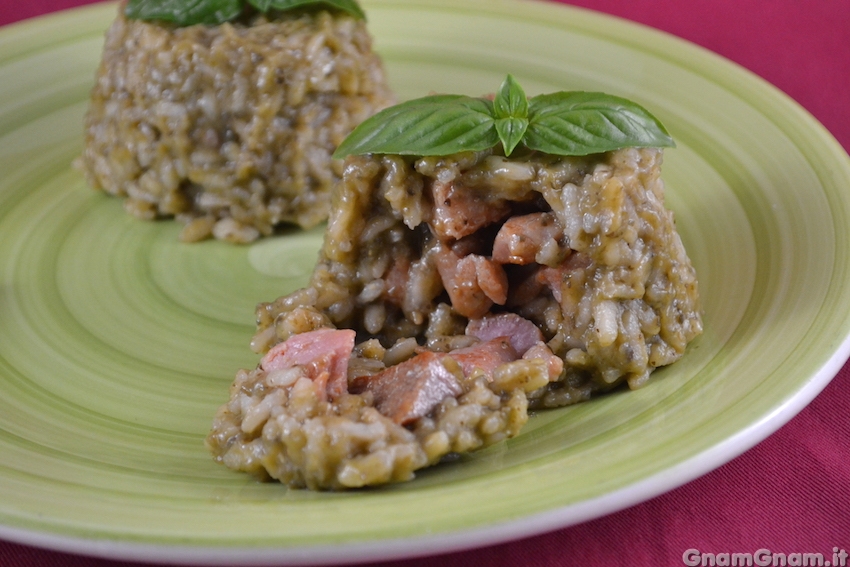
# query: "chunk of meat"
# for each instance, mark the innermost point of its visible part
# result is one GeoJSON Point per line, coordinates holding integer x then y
{"type": "Point", "coordinates": [571, 269]}
{"type": "Point", "coordinates": [396, 280]}
{"type": "Point", "coordinates": [491, 278]}
{"type": "Point", "coordinates": [323, 354]}
{"type": "Point", "coordinates": [522, 333]}
{"type": "Point", "coordinates": [524, 283]}
{"type": "Point", "coordinates": [460, 211]}
{"type": "Point", "coordinates": [554, 363]}
{"type": "Point", "coordinates": [535, 237]}
{"type": "Point", "coordinates": [485, 356]}
{"type": "Point", "coordinates": [552, 278]}
{"type": "Point", "coordinates": [474, 283]}
{"type": "Point", "coordinates": [479, 243]}
{"type": "Point", "coordinates": [411, 389]}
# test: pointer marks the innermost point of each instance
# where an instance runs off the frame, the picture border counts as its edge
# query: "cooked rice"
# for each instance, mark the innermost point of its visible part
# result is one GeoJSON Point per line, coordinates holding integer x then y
{"type": "Point", "coordinates": [229, 128]}
{"type": "Point", "coordinates": [614, 295]}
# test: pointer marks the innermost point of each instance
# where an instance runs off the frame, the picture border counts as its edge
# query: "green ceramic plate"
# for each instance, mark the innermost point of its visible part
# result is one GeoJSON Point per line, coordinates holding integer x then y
{"type": "Point", "coordinates": [117, 343]}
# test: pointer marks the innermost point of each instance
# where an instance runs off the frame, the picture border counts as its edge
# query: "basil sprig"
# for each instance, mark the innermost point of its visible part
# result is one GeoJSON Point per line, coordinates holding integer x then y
{"type": "Point", "coordinates": [214, 12]}
{"type": "Point", "coordinates": [564, 123]}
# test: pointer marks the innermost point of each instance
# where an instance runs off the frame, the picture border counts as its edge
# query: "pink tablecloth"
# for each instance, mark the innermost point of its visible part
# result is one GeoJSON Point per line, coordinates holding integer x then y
{"type": "Point", "coordinates": [789, 494]}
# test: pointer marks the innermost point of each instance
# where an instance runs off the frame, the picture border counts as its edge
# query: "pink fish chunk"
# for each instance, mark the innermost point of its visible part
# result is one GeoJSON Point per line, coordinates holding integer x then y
{"type": "Point", "coordinates": [554, 278]}
{"type": "Point", "coordinates": [411, 389]}
{"type": "Point", "coordinates": [485, 356]}
{"type": "Point", "coordinates": [522, 333]}
{"type": "Point", "coordinates": [324, 355]}
{"type": "Point", "coordinates": [474, 283]}
{"type": "Point", "coordinates": [554, 363]}
{"type": "Point", "coordinates": [460, 211]}
{"type": "Point", "coordinates": [521, 238]}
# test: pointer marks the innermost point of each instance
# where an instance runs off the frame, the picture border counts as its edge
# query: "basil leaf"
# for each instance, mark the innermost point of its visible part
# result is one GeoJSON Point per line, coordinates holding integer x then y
{"type": "Point", "coordinates": [261, 5]}
{"type": "Point", "coordinates": [511, 132]}
{"type": "Point", "coordinates": [431, 126]}
{"type": "Point", "coordinates": [583, 123]}
{"type": "Point", "coordinates": [563, 123]}
{"type": "Point", "coordinates": [510, 108]}
{"type": "Point", "coordinates": [185, 12]}
{"type": "Point", "coordinates": [214, 12]}
{"type": "Point", "coordinates": [349, 6]}
{"type": "Point", "coordinates": [510, 100]}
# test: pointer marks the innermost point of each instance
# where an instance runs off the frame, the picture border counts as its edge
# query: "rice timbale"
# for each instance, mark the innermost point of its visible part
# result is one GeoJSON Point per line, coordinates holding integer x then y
{"type": "Point", "coordinates": [453, 293]}
{"type": "Point", "coordinates": [229, 128]}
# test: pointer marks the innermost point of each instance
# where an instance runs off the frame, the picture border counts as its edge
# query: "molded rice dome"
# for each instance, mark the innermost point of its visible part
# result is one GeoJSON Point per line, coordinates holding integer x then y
{"type": "Point", "coordinates": [230, 128]}
{"type": "Point", "coordinates": [581, 246]}
{"type": "Point", "coordinates": [453, 293]}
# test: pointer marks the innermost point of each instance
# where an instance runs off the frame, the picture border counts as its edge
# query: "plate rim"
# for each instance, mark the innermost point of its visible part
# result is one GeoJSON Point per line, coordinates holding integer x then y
{"type": "Point", "coordinates": [533, 524]}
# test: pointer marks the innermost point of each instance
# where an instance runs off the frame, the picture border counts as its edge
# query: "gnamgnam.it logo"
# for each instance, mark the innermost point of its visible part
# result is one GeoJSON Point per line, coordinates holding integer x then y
{"type": "Point", "coordinates": [764, 558]}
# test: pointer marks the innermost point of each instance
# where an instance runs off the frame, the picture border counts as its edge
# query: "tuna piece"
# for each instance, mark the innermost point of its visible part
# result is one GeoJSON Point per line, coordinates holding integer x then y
{"type": "Point", "coordinates": [460, 211]}
{"type": "Point", "coordinates": [479, 243]}
{"type": "Point", "coordinates": [529, 238]}
{"type": "Point", "coordinates": [474, 283]}
{"type": "Point", "coordinates": [323, 354]}
{"type": "Point", "coordinates": [556, 278]}
{"type": "Point", "coordinates": [396, 280]}
{"type": "Point", "coordinates": [411, 389]}
{"type": "Point", "coordinates": [525, 284]}
{"type": "Point", "coordinates": [522, 333]}
{"type": "Point", "coordinates": [485, 356]}
{"type": "Point", "coordinates": [554, 363]}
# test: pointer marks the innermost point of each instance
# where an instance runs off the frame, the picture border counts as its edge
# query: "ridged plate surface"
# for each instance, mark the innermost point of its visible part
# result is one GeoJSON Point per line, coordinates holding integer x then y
{"type": "Point", "coordinates": [117, 343]}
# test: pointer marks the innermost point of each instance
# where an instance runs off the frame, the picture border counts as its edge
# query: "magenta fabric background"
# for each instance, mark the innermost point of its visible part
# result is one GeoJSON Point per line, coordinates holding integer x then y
{"type": "Point", "coordinates": [790, 493]}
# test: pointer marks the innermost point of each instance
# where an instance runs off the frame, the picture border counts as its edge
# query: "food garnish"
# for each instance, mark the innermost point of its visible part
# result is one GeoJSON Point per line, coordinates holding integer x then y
{"type": "Point", "coordinates": [465, 288]}
{"type": "Point", "coordinates": [229, 129]}
{"type": "Point", "coordinates": [567, 123]}
{"type": "Point", "coordinates": [213, 12]}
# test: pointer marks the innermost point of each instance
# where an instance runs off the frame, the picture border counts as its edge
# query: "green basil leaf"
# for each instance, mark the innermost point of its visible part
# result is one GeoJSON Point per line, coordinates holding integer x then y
{"type": "Point", "coordinates": [349, 6]}
{"type": "Point", "coordinates": [583, 123]}
{"type": "Point", "coordinates": [510, 101]}
{"type": "Point", "coordinates": [185, 12]}
{"type": "Point", "coordinates": [511, 132]}
{"type": "Point", "coordinates": [563, 123]}
{"type": "Point", "coordinates": [214, 12]}
{"type": "Point", "coordinates": [261, 5]}
{"type": "Point", "coordinates": [430, 126]}
{"type": "Point", "coordinates": [510, 108]}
